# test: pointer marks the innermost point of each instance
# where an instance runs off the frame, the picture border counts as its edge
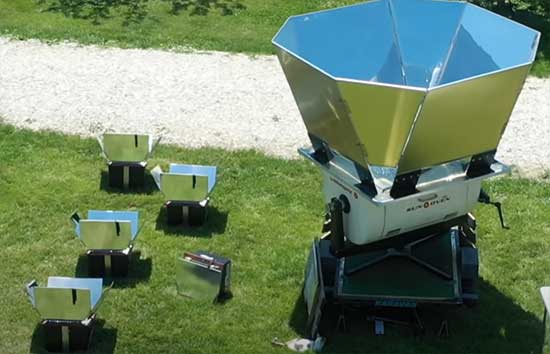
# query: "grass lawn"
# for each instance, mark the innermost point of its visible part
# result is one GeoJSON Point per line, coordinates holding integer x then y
{"type": "Point", "coordinates": [265, 213]}
{"type": "Point", "coordinates": [249, 30]}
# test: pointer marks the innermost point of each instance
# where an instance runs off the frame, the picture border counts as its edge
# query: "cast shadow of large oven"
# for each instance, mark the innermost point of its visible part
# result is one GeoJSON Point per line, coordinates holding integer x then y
{"type": "Point", "coordinates": [496, 325]}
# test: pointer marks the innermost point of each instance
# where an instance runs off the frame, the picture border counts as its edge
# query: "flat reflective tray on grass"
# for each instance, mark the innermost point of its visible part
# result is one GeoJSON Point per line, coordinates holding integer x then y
{"type": "Point", "coordinates": [127, 147]}
{"type": "Point", "coordinates": [107, 229]}
{"type": "Point", "coordinates": [66, 298]}
{"type": "Point", "coordinates": [185, 182]}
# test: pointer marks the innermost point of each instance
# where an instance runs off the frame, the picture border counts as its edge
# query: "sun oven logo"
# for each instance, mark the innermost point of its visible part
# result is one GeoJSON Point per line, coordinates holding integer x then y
{"type": "Point", "coordinates": [429, 203]}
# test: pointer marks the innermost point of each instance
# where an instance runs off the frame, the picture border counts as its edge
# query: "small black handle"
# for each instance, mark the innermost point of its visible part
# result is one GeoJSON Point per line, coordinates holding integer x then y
{"type": "Point", "coordinates": [194, 181]}
{"type": "Point", "coordinates": [136, 140]}
{"type": "Point", "coordinates": [73, 293]}
{"type": "Point", "coordinates": [117, 226]}
{"type": "Point", "coordinates": [75, 217]}
{"type": "Point", "coordinates": [486, 199]}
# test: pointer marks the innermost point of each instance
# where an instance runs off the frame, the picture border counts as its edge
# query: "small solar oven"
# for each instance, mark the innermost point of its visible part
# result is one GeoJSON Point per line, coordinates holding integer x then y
{"type": "Point", "coordinates": [109, 237]}
{"type": "Point", "coordinates": [126, 156]}
{"type": "Point", "coordinates": [68, 309]}
{"type": "Point", "coordinates": [187, 191]}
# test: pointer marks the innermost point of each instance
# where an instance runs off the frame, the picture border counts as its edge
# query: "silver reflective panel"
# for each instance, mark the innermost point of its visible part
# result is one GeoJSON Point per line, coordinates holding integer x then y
{"type": "Point", "coordinates": [95, 285]}
{"type": "Point", "coordinates": [127, 147]}
{"type": "Point", "coordinates": [66, 298]}
{"type": "Point", "coordinates": [111, 215]}
{"type": "Point", "coordinates": [197, 170]}
{"type": "Point", "coordinates": [107, 229]}
{"type": "Point", "coordinates": [185, 182]}
{"type": "Point", "coordinates": [406, 84]}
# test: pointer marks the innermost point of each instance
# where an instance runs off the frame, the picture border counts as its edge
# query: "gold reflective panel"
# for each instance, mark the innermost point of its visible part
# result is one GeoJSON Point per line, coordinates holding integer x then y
{"type": "Point", "coordinates": [463, 119]}
{"type": "Point", "coordinates": [323, 110]}
{"type": "Point", "coordinates": [382, 117]}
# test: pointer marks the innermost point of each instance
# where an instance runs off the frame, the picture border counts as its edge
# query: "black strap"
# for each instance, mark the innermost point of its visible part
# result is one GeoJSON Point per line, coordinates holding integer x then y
{"type": "Point", "coordinates": [73, 292]}
{"type": "Point", "coordinates": [117, 225]}
{"type": "Point", "coordinates": [194, 181]}
{"type": "Point", "coordinates": [136, 140]}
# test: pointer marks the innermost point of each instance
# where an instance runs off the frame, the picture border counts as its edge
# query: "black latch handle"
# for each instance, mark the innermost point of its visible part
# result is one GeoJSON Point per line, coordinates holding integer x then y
{"type": "Point", "coordinates": [75, 217]}
{"type": "Point", "coordinates": [486, 199]}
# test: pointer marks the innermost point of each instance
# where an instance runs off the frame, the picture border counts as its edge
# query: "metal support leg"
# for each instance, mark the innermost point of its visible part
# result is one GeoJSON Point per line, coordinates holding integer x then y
{"type": "Point", "coordinates": [126, 176]}
{"type": "Point", "coordinates": [341, 325]}
{"type": "Point", "coordinates": [185, 213]}
{"type": "Point", "coordinates": [379, 327]}
{"type": "Point", "coordinates": [107, 260]}
{"type": "Point", "coordinates": [419, 325]}
{"type": "Point", "coordinates": [443, 329]}
{"type": "Point", "coordinates": [65, 343]}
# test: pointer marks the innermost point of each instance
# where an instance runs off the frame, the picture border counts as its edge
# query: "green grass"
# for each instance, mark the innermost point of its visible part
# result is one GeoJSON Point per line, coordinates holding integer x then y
{"type": "Point", "coordinates": [248, 30]}
{"type": "Point", "coordinates": [265, 213]}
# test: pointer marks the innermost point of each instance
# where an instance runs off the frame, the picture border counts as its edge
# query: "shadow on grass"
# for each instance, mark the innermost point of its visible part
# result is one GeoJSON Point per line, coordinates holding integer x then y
{"type": "Point", "coordinates": [216, 222]}
{"type": "Point", "coordinates": [149, 185]}
{"type": "Point", "coordinates": [496, 325]}
{"type": "Point", "coordinates": [203, 7]}
{"type": "Point", "coordinates": [103, 339]}
{"type": "Point", "coordinates": [139, 271]}
{"type": "Point", "coordinates": [133, 11]}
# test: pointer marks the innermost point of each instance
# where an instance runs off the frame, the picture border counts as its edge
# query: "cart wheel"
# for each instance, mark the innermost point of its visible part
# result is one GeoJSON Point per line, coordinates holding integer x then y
{"type": "Point", "coordinates": [197, 215]}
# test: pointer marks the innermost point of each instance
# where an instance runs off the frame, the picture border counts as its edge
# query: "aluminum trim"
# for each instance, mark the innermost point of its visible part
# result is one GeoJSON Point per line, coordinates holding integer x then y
{"type": "Point", "coordinates": [510, 68]}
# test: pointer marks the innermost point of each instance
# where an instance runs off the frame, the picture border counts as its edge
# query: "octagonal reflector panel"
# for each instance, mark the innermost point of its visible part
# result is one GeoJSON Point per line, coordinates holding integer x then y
{"type": "Point", "coordinates": [406, 84]}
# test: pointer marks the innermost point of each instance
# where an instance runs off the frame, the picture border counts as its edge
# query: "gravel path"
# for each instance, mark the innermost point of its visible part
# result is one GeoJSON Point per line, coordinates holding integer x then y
{"type": "Point", "coordinates": [195, 99]}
